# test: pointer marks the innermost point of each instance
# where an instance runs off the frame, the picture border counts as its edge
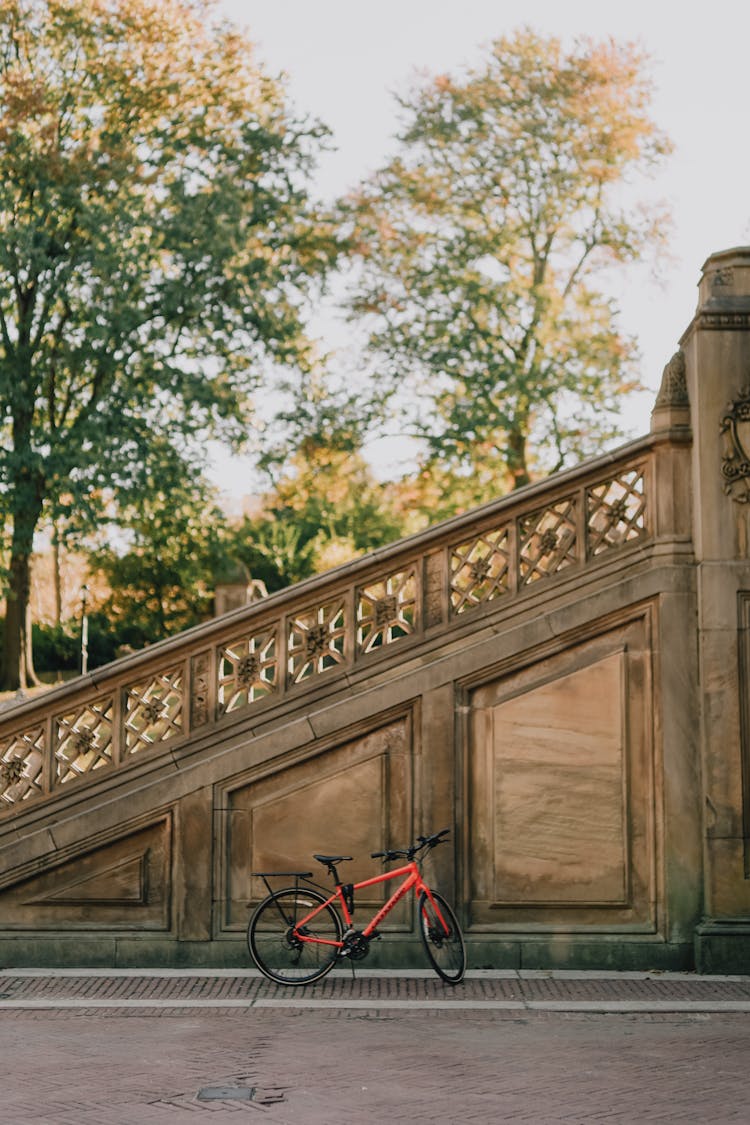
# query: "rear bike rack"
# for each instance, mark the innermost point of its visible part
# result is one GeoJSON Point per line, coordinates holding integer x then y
{"type": "Point", "coordinates": [296, 875]}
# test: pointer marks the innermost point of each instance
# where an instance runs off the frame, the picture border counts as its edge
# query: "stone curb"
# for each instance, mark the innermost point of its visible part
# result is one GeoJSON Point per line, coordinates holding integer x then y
{"type": "Point", "coordinates": [384, 974]}
{"type": "Point", "coordinates": [175, 1005]}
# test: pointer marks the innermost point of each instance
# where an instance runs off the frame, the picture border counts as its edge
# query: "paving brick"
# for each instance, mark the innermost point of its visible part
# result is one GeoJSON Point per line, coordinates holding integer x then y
{"type": "Point", "coordinates": [335, 1065]}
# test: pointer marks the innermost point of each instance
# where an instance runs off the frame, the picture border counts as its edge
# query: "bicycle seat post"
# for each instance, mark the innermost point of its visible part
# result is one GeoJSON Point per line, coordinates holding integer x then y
{"type": "Point", "coordinates": [329, 862]}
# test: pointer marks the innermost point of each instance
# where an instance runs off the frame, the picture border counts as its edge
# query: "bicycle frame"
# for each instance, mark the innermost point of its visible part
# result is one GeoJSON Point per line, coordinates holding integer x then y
{"type": "Point", "coordinates": [412, 881]}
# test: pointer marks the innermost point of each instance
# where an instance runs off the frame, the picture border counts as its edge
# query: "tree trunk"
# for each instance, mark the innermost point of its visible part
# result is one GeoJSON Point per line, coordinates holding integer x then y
{"type": "Point", "coordinates": [56, 559]}
{"type": "Point", "coordinates": [18, 661]}
{"type": "Point", "coordinates": [517, 460]}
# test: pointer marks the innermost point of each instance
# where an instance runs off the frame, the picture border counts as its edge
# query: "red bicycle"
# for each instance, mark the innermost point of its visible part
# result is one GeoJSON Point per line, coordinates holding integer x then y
{"type": "Point", "coordinates": [296, 935]}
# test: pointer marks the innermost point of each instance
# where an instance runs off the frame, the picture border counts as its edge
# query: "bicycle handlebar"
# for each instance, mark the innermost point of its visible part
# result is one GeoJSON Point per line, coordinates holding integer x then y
{"type": "Point", "coordinates": [410, 852]}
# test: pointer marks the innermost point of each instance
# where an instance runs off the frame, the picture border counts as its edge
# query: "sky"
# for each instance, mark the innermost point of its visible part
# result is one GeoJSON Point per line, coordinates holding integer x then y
{"type": "Point", "coordinates": [345, 59]}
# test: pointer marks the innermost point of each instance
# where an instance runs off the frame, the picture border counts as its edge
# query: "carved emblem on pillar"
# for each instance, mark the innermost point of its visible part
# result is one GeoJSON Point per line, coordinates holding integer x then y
{"type": "Point", "coordinates": [735, 432]}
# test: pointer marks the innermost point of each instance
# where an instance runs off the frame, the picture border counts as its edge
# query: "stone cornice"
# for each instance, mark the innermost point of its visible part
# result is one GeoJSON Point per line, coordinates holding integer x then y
{"type": "Point", "coordinates": [737, 321]}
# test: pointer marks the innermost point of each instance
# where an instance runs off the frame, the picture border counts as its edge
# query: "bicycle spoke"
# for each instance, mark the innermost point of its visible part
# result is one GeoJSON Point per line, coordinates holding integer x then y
{"type": "Point", "coordinates": [278, 947]}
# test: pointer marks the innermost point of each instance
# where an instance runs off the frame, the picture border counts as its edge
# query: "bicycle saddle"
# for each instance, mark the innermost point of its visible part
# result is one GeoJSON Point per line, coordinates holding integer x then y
{"type": "Point", "coordinates": [331, 858]}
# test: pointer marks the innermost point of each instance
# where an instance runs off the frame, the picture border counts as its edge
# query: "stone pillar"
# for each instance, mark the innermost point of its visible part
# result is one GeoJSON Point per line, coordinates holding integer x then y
{"type": "Point", "coordinates": [716, 349]}
{"type": "Point", "coordinates": [677, 717]}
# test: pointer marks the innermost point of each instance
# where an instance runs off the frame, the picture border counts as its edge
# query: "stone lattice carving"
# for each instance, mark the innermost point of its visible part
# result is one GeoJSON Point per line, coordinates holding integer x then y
{"type": "Point", "coordinates": [248, 670]}
{"type": "Point", "coordinates": [84, 740]}
{"type": "Point", "coordinates": [616, 512]}
{"type": "Point", "coordinates": [153, 711]}
{"type": "Point", "coordinates": [548, 542]}
{"type": "Point", "coordinates": [480, 569]}
{"type": "Point", "coordinates": [673, 390]}
{"type": "Point", "coordinates": [316, 641]}
{"type": "Point", "coordinates": [22, 766]}
{"type": "Point", "coordinates": [386, 610]}
{"type": "Point", "coordinates": [735, 432]}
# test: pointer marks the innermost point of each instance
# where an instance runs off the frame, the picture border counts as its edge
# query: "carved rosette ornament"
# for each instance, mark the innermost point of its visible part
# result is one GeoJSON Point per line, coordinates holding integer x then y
{"type": "Point", "coordinates": [11, 771]}
{"type": "Point", "coordinates": [735, 432]}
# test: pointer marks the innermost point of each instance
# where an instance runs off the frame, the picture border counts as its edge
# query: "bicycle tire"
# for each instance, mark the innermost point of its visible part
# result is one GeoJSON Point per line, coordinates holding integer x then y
{"type": "Point", "coordinates": [275, 951]}
{"type": "Point", "coordinates": [446, 951]}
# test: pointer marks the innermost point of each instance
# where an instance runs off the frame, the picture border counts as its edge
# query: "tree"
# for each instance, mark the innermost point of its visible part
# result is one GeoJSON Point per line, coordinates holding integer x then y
{"type": "Point", "coordinates": [157, 243]}
{"type": "Point", "coordinates": [324, 506]}
{"type": "Point", "coordinates": [325, 510]}
{"type": "Point", "coordinates": [161, 574]}
{"type": "Point", "coordinates": [479, 247]}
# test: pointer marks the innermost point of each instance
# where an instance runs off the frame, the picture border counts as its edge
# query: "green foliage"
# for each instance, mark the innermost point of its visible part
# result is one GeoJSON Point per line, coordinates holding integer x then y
{"type": "Point", "coordinates": [325, 506]}
{"type": "Point", "coordinates": [161, 573]}
{"type": "Point", "coordinates": [318, 417]}
{"type": "Point", "coordinates": [271, 547]}
{"type": "Point", "coordinates": [157, 246]}
{"type": "Point", "coordinates": [479, 249]}
{"type": "Point", "coordinates": [57, 648]}
{"type": "Point", "coordinates": [325, 511]}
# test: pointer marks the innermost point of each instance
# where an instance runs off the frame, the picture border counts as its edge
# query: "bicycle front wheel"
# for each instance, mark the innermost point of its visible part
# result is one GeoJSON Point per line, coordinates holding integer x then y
{"type": "Point", "coordinates": [442, 938]}
{"type": "Point", "coordinates": [280, 951]}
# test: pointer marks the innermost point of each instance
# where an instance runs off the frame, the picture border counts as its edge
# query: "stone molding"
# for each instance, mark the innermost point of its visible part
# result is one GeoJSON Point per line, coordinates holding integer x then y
{"type": "Point", "coordinates": [738, 321]}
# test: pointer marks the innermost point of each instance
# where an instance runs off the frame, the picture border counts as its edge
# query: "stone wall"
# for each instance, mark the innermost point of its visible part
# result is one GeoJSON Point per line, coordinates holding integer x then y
{"type": "Point", "coordinates": [560, 676]}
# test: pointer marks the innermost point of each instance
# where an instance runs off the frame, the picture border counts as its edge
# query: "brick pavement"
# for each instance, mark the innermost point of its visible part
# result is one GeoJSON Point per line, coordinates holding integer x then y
{"type": "Point", "coordinates": [115, 1048]}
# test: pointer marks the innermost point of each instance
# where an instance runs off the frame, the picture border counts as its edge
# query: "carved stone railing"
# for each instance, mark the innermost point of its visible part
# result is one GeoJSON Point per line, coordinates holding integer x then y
{"type": "Point", "coordinates": [262, 656]}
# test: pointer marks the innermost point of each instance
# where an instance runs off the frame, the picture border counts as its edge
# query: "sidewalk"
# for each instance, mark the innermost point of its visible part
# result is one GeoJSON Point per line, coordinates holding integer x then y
{"type": "Point", "coordinates": [530, 990]}
{"type": "Point", "coordinates": [123, 1047]}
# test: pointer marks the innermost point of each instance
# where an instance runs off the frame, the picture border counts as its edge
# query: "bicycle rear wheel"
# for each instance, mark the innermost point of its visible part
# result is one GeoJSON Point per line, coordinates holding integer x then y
{"type": "Point", "coordinates": [278, 952]}
{"type": "Point", "coordinates": [442, 938]}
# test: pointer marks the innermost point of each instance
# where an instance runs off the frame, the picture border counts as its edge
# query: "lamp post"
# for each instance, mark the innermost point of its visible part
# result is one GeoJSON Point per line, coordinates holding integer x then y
{"type": "Point", "coordinates": [84, 631]}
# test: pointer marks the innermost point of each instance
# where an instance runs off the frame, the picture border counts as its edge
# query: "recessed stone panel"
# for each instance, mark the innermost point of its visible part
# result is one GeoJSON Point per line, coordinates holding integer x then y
{"type": "Point", "coordinates": [561, 790]}
{"type": "Point", "coordinates": [559, 828]}
{"type": "Point", "coordinates": [121, 884]}
{"type": "Point", "coordinates": [350, 799]}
